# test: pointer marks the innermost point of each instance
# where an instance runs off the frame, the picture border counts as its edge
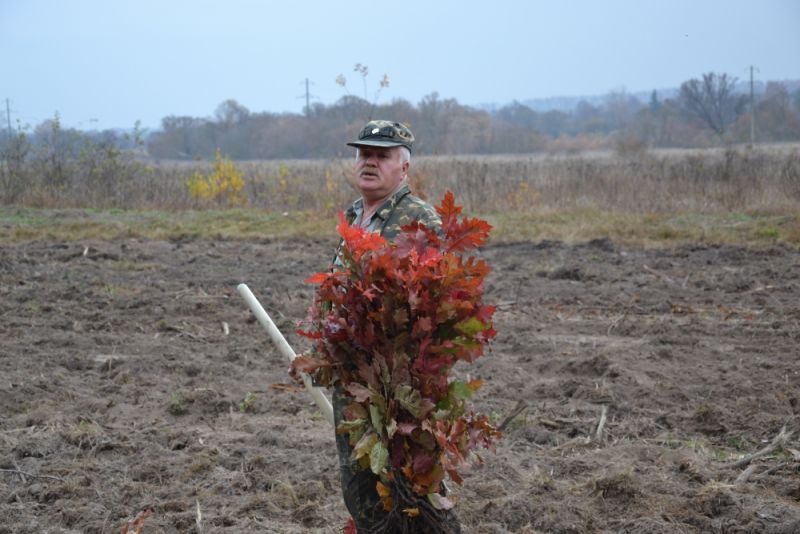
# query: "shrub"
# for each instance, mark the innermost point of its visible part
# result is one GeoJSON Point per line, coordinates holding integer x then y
{"type": "Point", "coordinates": [223, 185]}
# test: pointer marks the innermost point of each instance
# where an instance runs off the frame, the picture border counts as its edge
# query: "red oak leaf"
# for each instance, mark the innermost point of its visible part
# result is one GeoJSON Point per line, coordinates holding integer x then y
{"type": "Point", "coordinates": [317, 278]}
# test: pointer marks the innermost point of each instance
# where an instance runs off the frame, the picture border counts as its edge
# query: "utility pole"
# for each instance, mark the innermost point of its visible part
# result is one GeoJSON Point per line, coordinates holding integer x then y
{"type": "Point", "coordinates": [308, 96]}
{"type": "Point", "coordinates": [8, 117]}
{"type": "Point", "coordinates": [308, 100]}
{"type": "Point", "coordinates": [752, 110]}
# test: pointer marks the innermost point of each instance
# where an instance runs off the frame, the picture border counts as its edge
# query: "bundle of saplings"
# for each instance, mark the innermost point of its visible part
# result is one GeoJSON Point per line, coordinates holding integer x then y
{"type": "Point", "coordinates": [388, 325]}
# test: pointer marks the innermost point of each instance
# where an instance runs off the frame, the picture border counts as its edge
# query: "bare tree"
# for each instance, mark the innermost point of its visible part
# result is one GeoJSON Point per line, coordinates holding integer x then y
{"type": "Point", "coordinates": [712, 100]}
{"type": "Point", "coordinates": [230, 113]}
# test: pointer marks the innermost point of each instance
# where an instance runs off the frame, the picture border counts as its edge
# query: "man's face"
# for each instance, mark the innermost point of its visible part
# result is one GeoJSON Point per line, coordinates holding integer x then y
{"type": "Point", "coordinates": [379, 171]}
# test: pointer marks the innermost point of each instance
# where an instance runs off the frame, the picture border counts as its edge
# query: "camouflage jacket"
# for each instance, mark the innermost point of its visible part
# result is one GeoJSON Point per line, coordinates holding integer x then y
{"type": "Point", "coordinates": [398, 210]}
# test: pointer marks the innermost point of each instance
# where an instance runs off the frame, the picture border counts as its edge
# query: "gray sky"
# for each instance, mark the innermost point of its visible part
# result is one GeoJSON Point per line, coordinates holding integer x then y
{"type": "Point", "coordinates": [107, 63]}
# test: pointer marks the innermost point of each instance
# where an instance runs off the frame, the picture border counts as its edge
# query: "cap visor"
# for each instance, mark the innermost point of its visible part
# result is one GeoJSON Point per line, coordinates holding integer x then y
{"type": "Point", "coordinates": [368, 142]}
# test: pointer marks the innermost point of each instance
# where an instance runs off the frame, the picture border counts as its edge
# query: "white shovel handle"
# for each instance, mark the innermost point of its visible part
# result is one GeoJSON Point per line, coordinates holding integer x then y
{"type": "Point", "coordinates": [284, 348]}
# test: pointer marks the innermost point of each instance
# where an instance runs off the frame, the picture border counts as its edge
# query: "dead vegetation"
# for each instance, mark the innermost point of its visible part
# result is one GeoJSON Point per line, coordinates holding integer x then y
{"type": "Point", "coordinates": [632, 179]}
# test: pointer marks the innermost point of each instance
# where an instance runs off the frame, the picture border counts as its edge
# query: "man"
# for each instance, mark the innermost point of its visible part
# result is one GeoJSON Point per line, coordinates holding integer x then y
{"type": "Point", "coordinates": [383, 158]}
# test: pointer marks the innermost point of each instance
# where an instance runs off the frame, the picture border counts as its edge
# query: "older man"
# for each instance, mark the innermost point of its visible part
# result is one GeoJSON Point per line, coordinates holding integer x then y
{"type": "Point", "coordinates": [383, 158]}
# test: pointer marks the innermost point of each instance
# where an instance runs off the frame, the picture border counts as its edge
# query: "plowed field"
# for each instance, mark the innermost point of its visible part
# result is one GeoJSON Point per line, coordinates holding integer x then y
{"type": "Point", "coordinates": [133, 377]}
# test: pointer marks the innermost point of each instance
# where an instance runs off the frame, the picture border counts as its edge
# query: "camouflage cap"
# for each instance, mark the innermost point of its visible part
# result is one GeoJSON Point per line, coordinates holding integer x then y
{"type": "Point", "coordinates": [385, 134]}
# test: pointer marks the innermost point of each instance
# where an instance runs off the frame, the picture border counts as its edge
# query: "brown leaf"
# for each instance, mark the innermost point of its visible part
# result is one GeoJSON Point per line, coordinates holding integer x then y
{"type": "Point", "coordinates": [307, 364]}
{"type": "Point", "coordinates": [358, 392]}
{"type": "Point", "coordinates": [291, 388]}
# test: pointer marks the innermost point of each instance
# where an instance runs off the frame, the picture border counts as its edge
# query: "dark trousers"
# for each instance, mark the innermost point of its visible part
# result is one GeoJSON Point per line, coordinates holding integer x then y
{"type": "Point", "coordinates": [358, 485]}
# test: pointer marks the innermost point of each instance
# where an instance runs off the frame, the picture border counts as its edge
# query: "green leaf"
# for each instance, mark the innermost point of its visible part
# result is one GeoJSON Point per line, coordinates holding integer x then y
{"type": "Point", "coordinates": [376, 417]}
{"type": "Point", "coordinates": [463, 390]}
{"type": "Point", "coordinates": [470, 326]}
{"type": "Point", "coordinates": [467, 344]}
{"type": "Point", "coordinates": [347, 427]}
{"type": "Point", "coordinates": [378, 457]}
{"type": "Point", "coordinates": [409, 398]}
{"type": "Point", "coordinates": [354, 429]}
{"type": "Point", "coordinates": [441, 415]}
{"type": "Point", "coordinates": [365, 445]}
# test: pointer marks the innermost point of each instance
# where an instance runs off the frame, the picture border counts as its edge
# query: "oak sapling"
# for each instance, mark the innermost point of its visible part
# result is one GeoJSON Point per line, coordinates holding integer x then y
{"type": "Point", "coordinates": [388, 326]}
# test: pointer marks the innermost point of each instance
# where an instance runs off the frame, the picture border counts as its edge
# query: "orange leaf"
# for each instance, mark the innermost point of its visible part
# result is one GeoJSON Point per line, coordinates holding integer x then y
{"type": "Point", "coordinates": [448, 210]}
{"type": "Point", "coordinates": [317, 278]}
{"type": "Point", "coordinates": [474, 385]}
{"type": "Point", "coordinates": [383, 491]}
{"type": "Point", "coordinates": [385, 495]}
{"type": "Point", "coordinates": [470, 233]}
{"type": "Point", "coordinates": [358, 240]}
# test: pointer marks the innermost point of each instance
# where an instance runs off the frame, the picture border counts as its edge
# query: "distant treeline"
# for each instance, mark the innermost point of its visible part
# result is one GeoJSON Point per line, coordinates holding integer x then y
{"type": "Point", "coordinates": [707, 111]}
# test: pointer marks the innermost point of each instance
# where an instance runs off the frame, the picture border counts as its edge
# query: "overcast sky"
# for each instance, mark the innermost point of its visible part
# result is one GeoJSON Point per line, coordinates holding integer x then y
{"type": "Point", "coordinates": [107, 63]}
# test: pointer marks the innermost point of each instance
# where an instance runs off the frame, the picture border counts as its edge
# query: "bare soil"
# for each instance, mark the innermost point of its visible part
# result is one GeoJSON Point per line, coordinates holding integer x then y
{"type": "Point", "coordinates": [133, 377]}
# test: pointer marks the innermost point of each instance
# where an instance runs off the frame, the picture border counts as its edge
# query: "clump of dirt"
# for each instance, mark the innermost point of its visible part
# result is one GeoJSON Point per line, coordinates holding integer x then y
{"type": "Point", "coordinates": [134, 378]}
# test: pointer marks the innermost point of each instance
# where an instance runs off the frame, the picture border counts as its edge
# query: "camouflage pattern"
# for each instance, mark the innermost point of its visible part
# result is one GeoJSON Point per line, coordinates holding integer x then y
{"type": "Point", "coordinates": [358, 485]}
{"type": "Point", "coordinates": [397, 211]}
{"type": "Point", "coordinates": [384, 133]}
{"type": "Point", "coordinates": [400, 209]}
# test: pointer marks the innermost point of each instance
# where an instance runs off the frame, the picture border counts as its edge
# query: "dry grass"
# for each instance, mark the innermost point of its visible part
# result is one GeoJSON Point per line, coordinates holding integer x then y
{"type": "Point", "coordinates": [643, 198]}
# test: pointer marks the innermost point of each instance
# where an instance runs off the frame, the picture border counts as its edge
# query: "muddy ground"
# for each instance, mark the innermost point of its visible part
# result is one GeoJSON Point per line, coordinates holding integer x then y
{"type": "Point", "coordinates": [133, 377]}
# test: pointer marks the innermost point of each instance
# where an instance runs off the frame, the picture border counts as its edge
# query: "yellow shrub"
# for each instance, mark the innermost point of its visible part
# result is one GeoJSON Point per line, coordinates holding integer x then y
{"type": "Point", "coordinates": [524, 198]}
{"type": "Point", "coordinates": [225, 183]}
